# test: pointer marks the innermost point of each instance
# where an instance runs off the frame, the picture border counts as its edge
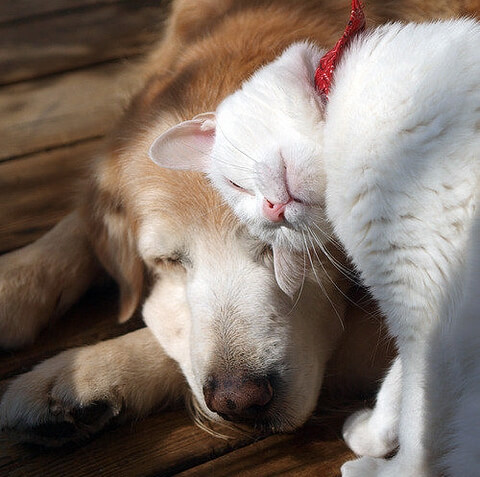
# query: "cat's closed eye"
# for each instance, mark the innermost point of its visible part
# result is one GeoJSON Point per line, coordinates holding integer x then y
{"type": "Point", "coordinates": [236, 186]}
{"type": "Point", "coordinates": [239, 188]}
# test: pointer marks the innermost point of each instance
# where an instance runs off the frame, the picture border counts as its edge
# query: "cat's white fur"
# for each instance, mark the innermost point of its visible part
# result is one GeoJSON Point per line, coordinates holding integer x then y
{"type": "Point", "coordinates": [392, 161]}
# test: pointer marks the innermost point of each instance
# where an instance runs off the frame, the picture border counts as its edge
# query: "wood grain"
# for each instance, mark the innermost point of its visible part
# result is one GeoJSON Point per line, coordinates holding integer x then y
{"type": "Point", "coordinates": [62, 109]}
{"type": "Point", "coordinates": [18, 10]}
{"type": "Point", "coordinates": [37, 191]}
{"type": "Point", "coordinates": [162, 445]}
{"type": "Point", "coordinates": [311, 451]}
{"type": "Point", "coordinates": [73, 39]}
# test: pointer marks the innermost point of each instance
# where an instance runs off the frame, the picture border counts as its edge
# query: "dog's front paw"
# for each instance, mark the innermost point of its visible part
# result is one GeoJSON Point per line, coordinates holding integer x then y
{"type": "Point", "coordinates": [58, 402]}
{"type": "Point", "coordinates": [369, 437]}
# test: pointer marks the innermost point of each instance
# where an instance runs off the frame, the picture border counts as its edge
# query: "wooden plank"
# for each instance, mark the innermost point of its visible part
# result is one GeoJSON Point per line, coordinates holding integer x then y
{"type": "Point", "coordinates": [53, 44]}
{"type": "Point", "coordinates": [161, 445]}
{"type": "Point", "coordinates": [11, 10]}
{"type": "Point", "coordinates": [38, 190]}
{"type": "Point", "coordinates": [313, 450]}
{"type": "Point", "coordinates": [60, 110]}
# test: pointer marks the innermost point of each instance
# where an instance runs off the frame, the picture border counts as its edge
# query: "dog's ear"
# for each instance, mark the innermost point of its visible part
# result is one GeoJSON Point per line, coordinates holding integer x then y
{"type": "Point", "coordinates": [289, 269]}
{"type": "Point", "coordinates": [187, 145]}
{"type": "Point", "coordinates": [113, 239]}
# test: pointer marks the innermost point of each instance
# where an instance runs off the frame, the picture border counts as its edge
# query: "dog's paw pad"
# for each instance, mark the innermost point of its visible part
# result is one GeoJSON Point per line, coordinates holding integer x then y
{"type": "Point", "coordinates": [93, 414]}
{"type": "Point", "coordinates": [63, 425]}
{"type": "Point", "coordinates": [52, 430]}
{"type": "Point", "coordinates": [44, 407]}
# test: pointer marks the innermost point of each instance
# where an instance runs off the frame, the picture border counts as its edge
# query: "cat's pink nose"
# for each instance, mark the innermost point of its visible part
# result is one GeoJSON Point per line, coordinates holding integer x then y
{"type": "Point", "coordinates": [274, 212]}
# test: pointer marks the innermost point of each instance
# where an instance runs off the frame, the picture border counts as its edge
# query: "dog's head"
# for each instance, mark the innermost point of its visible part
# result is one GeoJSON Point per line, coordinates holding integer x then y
{"type": "Point", "coordinates": [249, 353]}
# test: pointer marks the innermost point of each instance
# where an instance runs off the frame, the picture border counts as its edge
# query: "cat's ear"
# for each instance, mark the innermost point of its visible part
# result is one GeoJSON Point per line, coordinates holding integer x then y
{"type": "Point", "coordinates": [289, 269]}
{"type": "Point", "coordinates": [187, 145]}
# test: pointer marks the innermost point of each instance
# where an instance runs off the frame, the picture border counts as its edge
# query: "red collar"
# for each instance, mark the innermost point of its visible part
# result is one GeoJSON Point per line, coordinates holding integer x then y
{"type": "Point", "coordinates": [326, 67]}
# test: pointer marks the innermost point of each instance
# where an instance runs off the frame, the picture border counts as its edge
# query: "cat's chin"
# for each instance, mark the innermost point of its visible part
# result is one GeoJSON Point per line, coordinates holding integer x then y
{"type": "Point", "coordinates": [280, 236]}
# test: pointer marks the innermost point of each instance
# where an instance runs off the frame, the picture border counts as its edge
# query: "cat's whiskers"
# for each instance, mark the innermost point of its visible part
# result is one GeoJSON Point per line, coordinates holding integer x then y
{"type": "Point", "coordinates": [319, 282]}
{"type": "Point", "coordinates": [345, 271]}
{"type": "Point", "coordinates": [196, 149]}
{"type": "Point", "coordinates": [329, 237]}
{"type": "Point", "coordinates": [220, 160]}
{"type": "Point", "coordinates": [217, 158]}
{"type": "Point", "coordinates": [302, 285]}
{"type": "Point", "coordinates": [384, 340]}
{"type": "Point", "coordinates": [314, 248]}
{"type": "Point", "coordinates": [342, 269]}
{"type": "Point", "coordinates": [312, 241]}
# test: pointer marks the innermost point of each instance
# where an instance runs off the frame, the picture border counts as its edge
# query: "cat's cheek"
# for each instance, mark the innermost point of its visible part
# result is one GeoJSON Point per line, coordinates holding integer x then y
{"type": "Point", "coordinates": [243, 205]}
{"type": "Point", "coordinates": [230, 195]}
{"type": "Point", "coordinates": [253, 211]}
{"type": "Point", "coordinates": [296, 216]}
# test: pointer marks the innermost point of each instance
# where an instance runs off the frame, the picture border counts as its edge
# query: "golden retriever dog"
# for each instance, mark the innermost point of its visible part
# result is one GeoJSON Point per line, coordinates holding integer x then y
{"type": "Point", "coordinates": [219, 330]}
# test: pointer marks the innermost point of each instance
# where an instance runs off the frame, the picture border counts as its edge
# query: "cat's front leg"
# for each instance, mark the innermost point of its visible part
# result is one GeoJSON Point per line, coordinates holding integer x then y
{"type": "Point", "coordinates": [411, 459]}
{"type": "Point", "coordinates": [376, 467]}
{"type": "Point", "coordinates": [374, 432]}
{"type": "Point", "coordinates": [77, 393]}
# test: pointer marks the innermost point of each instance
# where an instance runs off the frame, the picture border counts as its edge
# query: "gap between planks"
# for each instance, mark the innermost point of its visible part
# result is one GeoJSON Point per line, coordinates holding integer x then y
{"type": "Point", "coordinates": [25, 10]}
{"type": "Point", "coordinates": [66, 108]}
{"type": "Point", "coordinates": [38, 190]}
{"type": "Point", "coordinates": [79, 38]}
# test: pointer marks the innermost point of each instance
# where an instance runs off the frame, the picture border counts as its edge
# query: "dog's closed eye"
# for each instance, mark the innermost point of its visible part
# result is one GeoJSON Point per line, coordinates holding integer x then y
{"type": "Point", "coordinates": [173, 259]}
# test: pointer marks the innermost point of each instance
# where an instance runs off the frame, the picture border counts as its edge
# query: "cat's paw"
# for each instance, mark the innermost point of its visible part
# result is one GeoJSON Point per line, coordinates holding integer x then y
{"type": "Point", "coordinates": [58, 402]}
{"type": "Point", "coordinates": [369, 437]}
{"type": "Point", "coordinates": [363, 467]}
{"type": "Point", "coordinates": [375, 467]}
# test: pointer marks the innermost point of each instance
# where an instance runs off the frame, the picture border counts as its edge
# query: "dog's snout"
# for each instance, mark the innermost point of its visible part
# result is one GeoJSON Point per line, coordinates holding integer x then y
{"type": "Point", "coordinates": [237, 397]}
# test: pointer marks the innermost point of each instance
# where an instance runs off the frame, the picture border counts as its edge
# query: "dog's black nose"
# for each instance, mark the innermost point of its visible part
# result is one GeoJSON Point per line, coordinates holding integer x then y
{"type": "Point", "coordinates": [237, 397]}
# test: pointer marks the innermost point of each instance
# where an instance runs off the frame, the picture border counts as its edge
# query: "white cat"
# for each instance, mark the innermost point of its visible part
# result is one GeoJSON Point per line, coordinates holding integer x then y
{"type": "Point", "coordinates": [392, 160]}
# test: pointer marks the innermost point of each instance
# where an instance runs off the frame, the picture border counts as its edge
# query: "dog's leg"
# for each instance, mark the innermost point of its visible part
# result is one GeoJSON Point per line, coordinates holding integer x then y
{"type": "Point", "coordinates": [42, 280]}
{"type": "Point", "coordinates": [374, 432]}
{"type": "Point", "coordinates": [75, 394]}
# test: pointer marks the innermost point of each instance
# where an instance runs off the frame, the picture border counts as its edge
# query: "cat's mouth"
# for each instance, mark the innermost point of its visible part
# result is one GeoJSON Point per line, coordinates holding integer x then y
{"type": "Point", "coordinates": [283, 235]}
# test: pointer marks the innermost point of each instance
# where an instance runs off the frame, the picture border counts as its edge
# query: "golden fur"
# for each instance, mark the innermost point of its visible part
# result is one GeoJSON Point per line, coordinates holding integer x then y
{"type": "Point", "coordinates": [209, 47]}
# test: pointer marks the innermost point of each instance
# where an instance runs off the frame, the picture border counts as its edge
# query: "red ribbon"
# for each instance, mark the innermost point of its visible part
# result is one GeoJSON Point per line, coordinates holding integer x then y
{"type": "Point", "coordinates": [326, 67]}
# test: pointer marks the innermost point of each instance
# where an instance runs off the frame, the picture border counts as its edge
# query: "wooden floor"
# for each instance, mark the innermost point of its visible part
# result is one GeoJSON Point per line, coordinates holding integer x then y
{"type": "Point", "coordinates": [62, 80]}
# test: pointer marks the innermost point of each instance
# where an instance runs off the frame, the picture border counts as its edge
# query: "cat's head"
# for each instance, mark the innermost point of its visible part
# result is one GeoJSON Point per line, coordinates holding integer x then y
{"type": "Point", "coordinates": [262, 150]}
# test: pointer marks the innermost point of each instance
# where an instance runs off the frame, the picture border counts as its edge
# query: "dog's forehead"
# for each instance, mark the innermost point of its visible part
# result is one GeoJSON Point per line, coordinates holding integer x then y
{"type": "Point", "coordinates": [189, 226]}
{"type": "Point", "coordinates": [162, 236]}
